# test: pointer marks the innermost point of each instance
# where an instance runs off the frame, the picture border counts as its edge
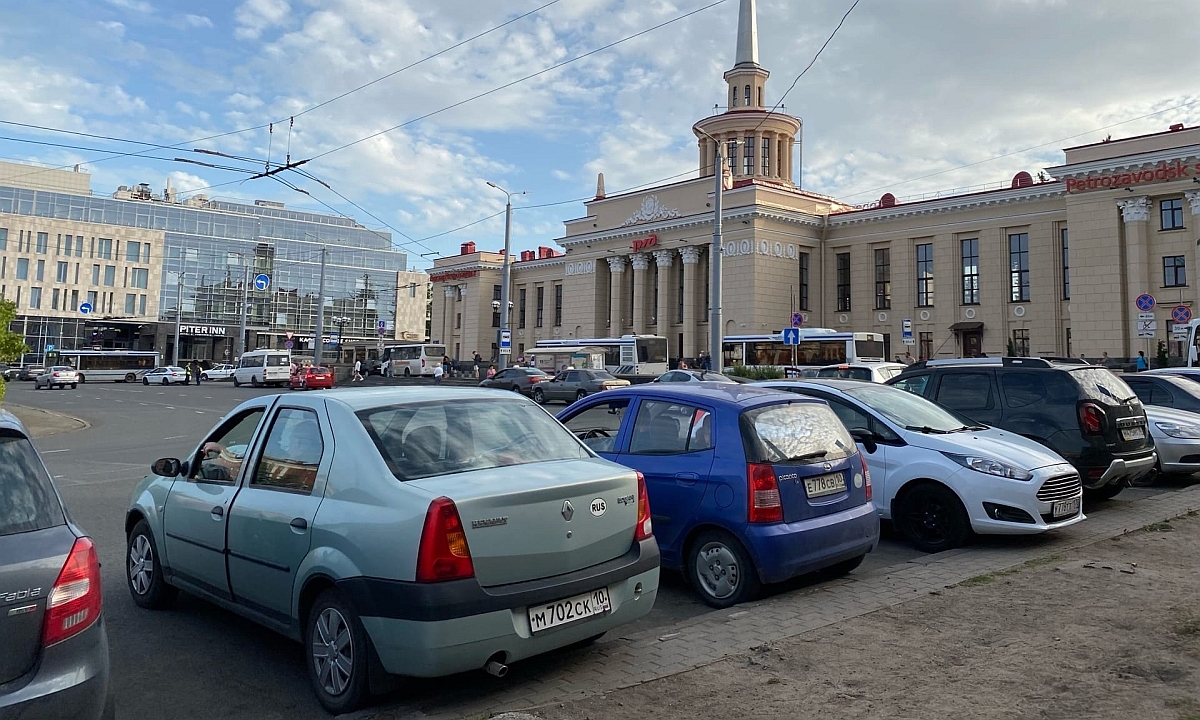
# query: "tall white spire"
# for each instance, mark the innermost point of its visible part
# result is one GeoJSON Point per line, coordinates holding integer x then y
{"type": "Point", "coordinates": [747, 45]}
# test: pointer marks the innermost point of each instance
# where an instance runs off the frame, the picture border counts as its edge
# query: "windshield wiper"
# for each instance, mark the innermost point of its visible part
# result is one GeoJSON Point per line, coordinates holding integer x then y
{"type": "Point", "coordinates": [971, 428]}
{"type": "Point", "coordinates": [809, 455]}
{"type": "Point", "coordinates": [927, 430]}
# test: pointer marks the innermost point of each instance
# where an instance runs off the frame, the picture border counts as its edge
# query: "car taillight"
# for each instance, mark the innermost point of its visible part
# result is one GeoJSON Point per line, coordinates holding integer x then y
{"type": "Point", "coordinates": [644, 529]}
{"type": "Point", "coordinates": [866, 476]}
{"type": "Point", "coordinates": [765, 505]}
{"type": "Point", "coordinates": [1091, 417]}
{"type": "Point", "coordinates": [444, 554]}
{"type": "Point", "coordinates": [74, 603]}
{"type": "Point", "coordinates": [533, 379]}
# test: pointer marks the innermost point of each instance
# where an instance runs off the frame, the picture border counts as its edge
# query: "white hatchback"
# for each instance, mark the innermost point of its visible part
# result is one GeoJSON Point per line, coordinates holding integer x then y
{"type": "Point", "coordinates": [939, 477]}
{"type": "Point", "coordinates": [218, 372]}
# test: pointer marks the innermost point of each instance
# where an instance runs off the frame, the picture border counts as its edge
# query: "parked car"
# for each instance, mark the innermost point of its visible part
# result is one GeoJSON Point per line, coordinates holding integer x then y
{"type": "Point", "coordinates": [694, 376]}
{"type": "Point", "coordinates": [1176, 435]}
{"type": "Point", "coordinates": [1165, 390]}
{"type": "Point", "coordinates": [876, 372]}
{"type": "Point", "coordinates": [1188, 373]}
{"type": "Point", "coordinates": [571, 385]}
{"type": "Point", "coordinates": [167, 375]}
{"type": "Point", "coordinates": [223, 371]}
{"type": "Point", "coordinates": [58, 376]}
{"type": "Point", "coordinates": [1084, 413]}
{"type": "Point", "coordinates": [748, 485]}
{"type": "Point", "coordinates": [6, 372]}
{"type": "Point", "coordinates": [938, 478]}
{"type": "Point", "coordinates": [312, 377]}
{"type": "Point", "coordinates": [516, 379]}
{"type": "Point", "coordinates": [30, 372]}
{"type": "Point", "coordinates": [451, 530]}
{"type": "Point", "coordinates": [54, 662]}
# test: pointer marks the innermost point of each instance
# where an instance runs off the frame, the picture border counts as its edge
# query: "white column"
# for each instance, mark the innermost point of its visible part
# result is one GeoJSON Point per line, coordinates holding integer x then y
{"type": "Point", "coordinates": [691, 263]}
{"type": "Point", "coordinates": [665, 260]}
{"type": "Point", "coordinates": [447, 311]}
{"type": "Point", "coordinates": [616, 267]}
{"type": "Point", "coordinates": [1135, 211]}
{"type": "Point", "coordinates": [641, 263]}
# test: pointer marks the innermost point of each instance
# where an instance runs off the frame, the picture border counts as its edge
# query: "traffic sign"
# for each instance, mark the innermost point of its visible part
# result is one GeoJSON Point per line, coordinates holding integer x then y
{"type": "Point", "coordinates": [85, 308]}
{"type": "Point", "coordinates": [909, 340]}
{"type": "Point", "coordinates": [335, 338]}
{"type": "Point", "coordinates": [906, 329]}
{"type": "Point", "coordinates": [262, 281]}
{"type": "Point", "coordinates": [1181, 313]}
{"type": "Point", "coordinates": [791, 336]}
{"type": "Point", "coordinates": [290, 334]}
{"type": "Point", "coordinates": [51, 348]}
{"type": "Point", "coordinates": [1145, 302]}
{"type": "Point", "coordinates": [382, 327]}
{"type": "Point", "coordinates": [1147, 328]}
{"type": "Point", "coordinates": [287, 345]}
{"type": "Point", "coordinates": [1145, 316]}
{"type": "Point", "coordinates": [1179, 331]}
{"type": "Point", "coordinates": [797, 319]}
{"type": "Point", "coordinates": [506, 342]}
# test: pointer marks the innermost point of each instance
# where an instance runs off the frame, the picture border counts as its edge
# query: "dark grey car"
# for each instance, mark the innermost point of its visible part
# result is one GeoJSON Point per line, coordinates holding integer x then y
{"type": "Point", "coordinates": [53, 645]}
{"type": "Point", "coordinates": [517, 379]}
{"type": "Point", "coordinates": [572, 385]}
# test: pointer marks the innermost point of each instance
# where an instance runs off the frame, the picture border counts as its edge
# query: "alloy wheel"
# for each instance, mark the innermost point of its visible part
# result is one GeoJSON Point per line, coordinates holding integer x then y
{"type": "Point", "coordinates": [929, 520]}
{"type": "Point", "coordinates": [333, 651]}
{"type": "Point", "coordinates": [141, 565]}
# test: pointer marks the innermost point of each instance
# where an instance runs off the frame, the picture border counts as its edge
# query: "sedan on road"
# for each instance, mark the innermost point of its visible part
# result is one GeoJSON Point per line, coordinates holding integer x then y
{"type": "Point", "coordinates": [1164, 390]}
{"type": "Point", "coordinates": [748, 485]}
{"type": "Point", "coordinates": [516, 379]}
{"type": "Point", "coordinates": [449, 530]}
{"type": "Point", "coordinates": [571, 385]}
{"type": "Point", "coordinates": [218, 372]}
{"type": "Point", "coordinates": [30, 372]}
{"type": "Point", "coordinates": [58, 376]}
{"type": "Point", "coordinates": [54, 662]}
{"type": "Point", "coordinates": [938, 477]}
{"type": "Point", "coordinates": [694, 376]}
{"type": "Point", "coordinates": [311, 378]}
{"type": "Point", "coordinates": [877, 372]}
{"type": "Point", "coordinates": [168, 375]}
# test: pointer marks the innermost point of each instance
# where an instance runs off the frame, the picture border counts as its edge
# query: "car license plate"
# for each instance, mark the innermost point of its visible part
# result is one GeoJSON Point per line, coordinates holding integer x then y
{"type": "Point", "coordinates": [825, 485]}
{"type": "Point", "coordinates": [1136, 432]}
{"type": "Point", "coordinates": [1065, 508]}
{"type": "Point", "coordinates": [564, 612]}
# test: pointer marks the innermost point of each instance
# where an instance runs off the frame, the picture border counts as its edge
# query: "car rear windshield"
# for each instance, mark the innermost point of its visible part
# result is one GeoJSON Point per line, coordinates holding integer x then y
{"type": "Point", "coordinates": [278, 360]}
{"type": "Point", "coordinates": [794, 432]}
{"type": "Point", "coordinates": [534, 371]}
{"type": "Point", "coordinates": [847, 373]}
{"type": "Point", "coordinates": [439, 438]}
{"type": "Point", "coordinates": [27, 500]}
{"type": "Point", "coordinates": [1102, 385]}
{"type": "Point", "coordinates": [601, 375]}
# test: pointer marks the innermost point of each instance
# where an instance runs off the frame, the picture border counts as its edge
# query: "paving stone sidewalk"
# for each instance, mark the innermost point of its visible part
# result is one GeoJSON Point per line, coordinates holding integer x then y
{"type": "Point", "coordinates": [639, 658]}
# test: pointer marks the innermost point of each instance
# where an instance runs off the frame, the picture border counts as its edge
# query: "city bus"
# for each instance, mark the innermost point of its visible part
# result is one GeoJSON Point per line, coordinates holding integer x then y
{"type": "Point", "coordinates": [105, 365]}
{"type": "Point", "coordinates": [413, 359]}
{"type": "Point", "coordinates": [626, 355]}
{"type": "Point", "coordinates": [818, 347]}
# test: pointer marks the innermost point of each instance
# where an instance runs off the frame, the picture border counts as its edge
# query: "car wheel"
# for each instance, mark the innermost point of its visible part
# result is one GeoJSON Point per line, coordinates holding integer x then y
{"type": "Point", "coordinates": [166, 381]}
{"type": "Point", "coordinates": [145, 381]}
{"type": "Point", "coordinates": [1108, 492]}
{"type": "Point", "coordinates": [407, 372]}
{"type": "Point", "coordinates": [581, 395]}
{"type": "Point", "coordinates": [235, 382]}
{"type": "Point", "coordinates": [336, 648]}
{"type": "Point", "coordinates": [539, 396]}
{"type": "Point", "coordinates": [721, 570]}
{"type": "Point", "coordinates": [932, 518]}
{"type": "Point", "coordinates": [128, 378]}
{"type": "Point", "coordinates": [74, 386]}
{"type": "Point", "coordinates": [254, 381]}
{"type": "Point", "coordinates": [143, 572]}
{"type": "Point", "coordinates": [82, 379]}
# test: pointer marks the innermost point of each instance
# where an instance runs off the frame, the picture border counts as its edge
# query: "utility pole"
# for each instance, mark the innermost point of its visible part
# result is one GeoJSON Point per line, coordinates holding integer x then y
{"type": "Point", "coordinates": [241, 343]}
{"type": "Point", "coordinates": [505, 276]}
{"type": "Point", "coordinates": [178, 316]}
{"type": "Point", "coordinates": [319, 335]}
{"type": "Point", "coordinates": [716, 329]}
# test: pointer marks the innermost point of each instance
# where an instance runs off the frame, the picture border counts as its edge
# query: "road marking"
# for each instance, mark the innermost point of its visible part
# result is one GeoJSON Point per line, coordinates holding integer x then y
{"type": "Point", "coordinates": [199, 412]}
{"type": "Point", "coordinates": [175, 437]}
{"type": "Point", "coordinates": [47, 452]}
{"type": "Point", "coordinates": [170, 408]}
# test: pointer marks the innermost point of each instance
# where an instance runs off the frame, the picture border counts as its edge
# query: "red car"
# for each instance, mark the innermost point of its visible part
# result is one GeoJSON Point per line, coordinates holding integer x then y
{"type": "Point", "coordinates": [310, 378]}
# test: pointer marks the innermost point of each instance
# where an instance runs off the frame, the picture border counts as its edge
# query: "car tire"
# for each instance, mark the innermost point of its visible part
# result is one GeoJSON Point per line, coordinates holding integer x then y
{"type": "Point", "coordinates": [407, 372]}
{"type": "Point", "coordinates": [581, 395]}
{"type": "Point", "coordinates": [145, 381]}
{"type": "Point", "coordinates": [236, 383]}
{"type": "Point", "coordinates": [82, 379]}
{"type": "Point", "coordinates": [932, 518]}
{"type": "Point", "coordinates": [539, 397]}
{"type": "Point", "coordinates": [166, 381]}
{"type": "Point", "coordinates": [1108, 492]}
{"type": "Point", "coordinates": [254, 381]}
{"type": "Point", "coordinates": [74, 386]}
{"type": "Point", "coordinates": [720, 570]}
{"type": "Point", "coordinates": [143, 571]}
{"type": "Point", "coordinates": [330, 617]}
{"type": "Point", "coordinates": [128, 378]}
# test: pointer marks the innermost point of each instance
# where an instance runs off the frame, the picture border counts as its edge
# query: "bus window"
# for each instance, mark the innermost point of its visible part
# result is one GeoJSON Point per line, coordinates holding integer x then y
{"type": "Point", "coordinates": [869, 350]}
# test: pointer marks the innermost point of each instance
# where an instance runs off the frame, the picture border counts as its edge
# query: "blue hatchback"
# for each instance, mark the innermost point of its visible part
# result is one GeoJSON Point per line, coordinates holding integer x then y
{"type": "Point", "coordinates": [747, 485]}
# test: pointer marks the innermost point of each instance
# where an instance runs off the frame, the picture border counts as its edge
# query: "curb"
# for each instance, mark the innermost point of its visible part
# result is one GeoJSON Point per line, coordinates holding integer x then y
{"type": "Point", "coordinates": [58, 423]}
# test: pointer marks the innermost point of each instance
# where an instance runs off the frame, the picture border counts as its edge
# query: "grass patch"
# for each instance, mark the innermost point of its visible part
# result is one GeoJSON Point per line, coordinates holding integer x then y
{"type": "Point", "coordinates": [1158, 527]}
{"type": "Point", "coordinates": [1192, 513]}
{"type": "Point", "coordinates": [1189, 626]}
{"type": "Point", "coordinates": [1038, 562]}
{"type": "Point", "coordinates": [774, 681]}
{"type": "Point", "coordinates": [989, 578]}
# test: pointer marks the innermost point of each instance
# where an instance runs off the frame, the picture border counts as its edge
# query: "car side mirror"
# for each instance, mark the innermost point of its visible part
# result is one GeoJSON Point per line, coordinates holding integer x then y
{"type": "Point", "coordinates": [167, 467]}
{"type": "Point", "coordinates": [867, 438]}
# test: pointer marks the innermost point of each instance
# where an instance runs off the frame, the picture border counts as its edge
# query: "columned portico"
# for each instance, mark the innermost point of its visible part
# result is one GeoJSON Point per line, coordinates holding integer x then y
{"type": "Point", "coordinates": [691, 263]}
{"type": "Point", "coordinates": [616, 267]}
{"type": "Point", "coordinates": [641, 263]}
{"type": "Point", "coordinates": [665, 260]}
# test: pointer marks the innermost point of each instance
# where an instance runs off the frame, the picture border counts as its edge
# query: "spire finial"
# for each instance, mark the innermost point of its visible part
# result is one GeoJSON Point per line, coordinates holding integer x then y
{"type": "Point", "coordinates": [747, 46]}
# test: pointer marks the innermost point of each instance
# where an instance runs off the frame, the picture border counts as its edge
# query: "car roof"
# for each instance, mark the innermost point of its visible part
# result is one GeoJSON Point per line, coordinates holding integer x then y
{"type": "Point", "coordinates": [1174, 380]}
{"type": "Point", "coordinates": [737, 393]}
{"type": "Point", "coordinates": [367, 398]}
{"type": "Point", "coordinates": [867, 364]}
{"type": "Point", "coordinates": [834, 383]}
{"type": "Point", "coordinates": [8, 421]}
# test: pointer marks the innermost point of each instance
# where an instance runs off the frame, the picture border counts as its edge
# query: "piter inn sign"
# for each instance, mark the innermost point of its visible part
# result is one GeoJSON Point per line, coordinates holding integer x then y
{"type": "Point", "coordinates": [209, 330]}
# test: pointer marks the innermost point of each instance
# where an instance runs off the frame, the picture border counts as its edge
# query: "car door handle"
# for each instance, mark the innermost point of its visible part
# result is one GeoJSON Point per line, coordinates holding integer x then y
{"type": "Point", "coordinates": [218, 512]}
{"type": "Point", "coordinates": [687, 478]}
{"type": "Point", "coordinates": [299, 524]}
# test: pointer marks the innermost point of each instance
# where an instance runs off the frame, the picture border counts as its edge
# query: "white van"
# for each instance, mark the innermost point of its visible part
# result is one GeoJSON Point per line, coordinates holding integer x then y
{"type": "Point", "coordinates": [408, 360]}
{"type": "Point", "coordinates": [263, 367]}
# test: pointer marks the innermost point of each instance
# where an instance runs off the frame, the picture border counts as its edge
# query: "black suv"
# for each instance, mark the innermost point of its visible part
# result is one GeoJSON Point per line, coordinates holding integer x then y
{"type": "Point", "coordinates": [1083, 412]}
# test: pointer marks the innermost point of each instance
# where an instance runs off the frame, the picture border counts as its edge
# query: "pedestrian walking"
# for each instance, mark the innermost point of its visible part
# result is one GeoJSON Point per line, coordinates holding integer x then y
{"type": "Point", "coordinates": [1105, 360]}
{"type": "Point", "coordinates": [438, 372]}
{"type": "Point", "coordinates": [478, 360]}
{"type": "Point", "coordinates": [447, 366]}
{"type": "Point", "coordinates": [1142, 364]}
{"type": "Point", "coordinates": [908, 358]}
{"type": "Point", "coordinates": [357, 371]}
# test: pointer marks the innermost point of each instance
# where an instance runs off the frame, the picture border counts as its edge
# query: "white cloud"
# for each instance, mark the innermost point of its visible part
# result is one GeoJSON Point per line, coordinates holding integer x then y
{"type": "Point", "coordinates": [198, 21]}
{"type": "Point", "coordinates": [243, 102]}
{"type": "Point", "coordinates": [561, 175]}
{"type": "Point", "coordinates": [140, 6]}
{"type": "Point", "coordinates": [112, 26]}
{"type": "Point", "coordinates": [187, 182]}
{"type": "Point", "coordinates": [255, 16]}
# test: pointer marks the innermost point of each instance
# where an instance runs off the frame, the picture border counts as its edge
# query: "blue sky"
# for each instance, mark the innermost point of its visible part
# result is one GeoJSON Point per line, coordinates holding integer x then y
{"type": "Point", "coordinates": [907, 89]}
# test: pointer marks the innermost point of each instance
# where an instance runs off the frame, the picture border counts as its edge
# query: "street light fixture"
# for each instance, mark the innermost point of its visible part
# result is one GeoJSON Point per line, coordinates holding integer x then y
{"type": "Point", "coordinates": [716, 325]}
{"type": "Point", "coordinates": [505, 275]}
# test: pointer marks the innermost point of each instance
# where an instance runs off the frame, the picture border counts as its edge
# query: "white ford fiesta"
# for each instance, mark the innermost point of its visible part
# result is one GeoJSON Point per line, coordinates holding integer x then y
{"type": "Point", "coordinates": [939, 477]}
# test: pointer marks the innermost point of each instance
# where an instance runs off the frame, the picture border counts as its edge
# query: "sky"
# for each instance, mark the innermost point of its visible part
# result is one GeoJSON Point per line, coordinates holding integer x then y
{"type": "Point", "coordinates": [911, 97]}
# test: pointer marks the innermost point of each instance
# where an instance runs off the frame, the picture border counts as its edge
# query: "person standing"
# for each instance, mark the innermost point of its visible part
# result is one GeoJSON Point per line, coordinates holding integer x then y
{"type": "Point", "coordinates": [1105, 360]}
{"type": "Point", "coordinates": [438, 372]}
{"type": "Point", "coordinates": [908, 358]}
{"type": "Point", "coordinates": [447, 366]}
{"type": "Point", "coordinates": [491, 372]}
{"type": "Point", "coordinates": [1142, 364]}
{"type": "Point", "coordinates": [357, 371]}
{"type": "Point", "coordinates": [478, 360]}
{"type": "Point", "coordinates": [196, 370]}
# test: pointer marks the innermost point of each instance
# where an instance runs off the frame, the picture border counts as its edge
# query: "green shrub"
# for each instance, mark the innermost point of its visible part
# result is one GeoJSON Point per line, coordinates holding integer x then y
{"type": "Point", "coordinates": [756, 373]}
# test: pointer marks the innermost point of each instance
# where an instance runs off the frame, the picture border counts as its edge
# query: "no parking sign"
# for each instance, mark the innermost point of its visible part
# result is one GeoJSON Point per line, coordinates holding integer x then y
{"type": "Point", "coordinates": [1181, 314]}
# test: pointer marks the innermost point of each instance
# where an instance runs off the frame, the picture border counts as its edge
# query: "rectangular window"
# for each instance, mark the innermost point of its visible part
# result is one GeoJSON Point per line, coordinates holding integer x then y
{"type": "Point", "coordinates": [1021, 341]}
{"type": "Point", "coordinates": [110, 275]}
{"type": "Point", "coordinates": [1066, 267]}
{"type": "Point", "coordinates": [104, 248]}
{"type": "Point", "coordinates": [970, 271]}
{"type": "Point", "coordinates": [139, 278]}
{"type": "Point", "coordinates": [133, 251]}
{"type": "Point", "coordinates": [62, 270]}
{"type": "Point", "coordinates": [521, 309]}
{"type": "Point", "coordinates": [1173, 272]}
{"type": "Point", "coordinates": [130, 304]}
{"type": "Point", "coordinates": [91, 299]}
{"type": "Point", "coordinates": [1018, 267]}
{"type": "Point", "coordinates": [22, 268]}
{"type": "Point", "coordinates": [732, 153]}
{"type": "Point", "coordinates": [141, 305]}
{"type": "Point", "coordinates": [1171, 212]}
{"type": "Point", "coordinates": [54, 299]}
{"type": "Point", "coordinates": [41, 270]}
{"type": "Point", "coordinates": [35, 298]}
{"type": "Point", "coordinates": [803, 281]}
{"type": "Point", "coordinates": [541, 299]}
{"type": "Point", "coordinates": [883, 279]}
{"type": "Point", "coordinates": [496, 318]}
{"type": "Point", "coordinates": [496, 289]}
{"type": "Point", "coordinates": [95, 274]}
{"type": "Point", "coordinates": [925, 275]}
{"type": "Point", "coordinates": [926, 345]}
{"type": "Point", "coordinates": [3, 239]}
{"type": "Point", "coordinates": [79, 246]}
{"type": "Point", "coordinates": [843, 281]}
{"type": "Point", "coordinates": [74, 300]}
{"type": "Point", "coordinates": [67, 245]}
{"type": "Point", "coordinates": [1068, 339]}
{"type": "Point", "coordinates": [457, 320]}
{"type": "Point", "coordinates": [766, 156]}
{"type": "Point", "coordinates": [43, 242]}
{"type": "Point", "coordinates": [748, 160]}
{"type": "Point", "coordinates": [558, 298]}
{"type": "Point", "coordinates": [3, 267]}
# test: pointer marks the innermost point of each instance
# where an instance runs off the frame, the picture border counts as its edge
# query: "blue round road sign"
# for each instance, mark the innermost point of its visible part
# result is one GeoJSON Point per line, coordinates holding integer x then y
{"type": "Point", "coordinates": [797, 319]}
{"type": "Point", "coordinates": [1145, 303]}
{"type": "Point", "coordinates": [1181, 314]}
{"type": "Point", "coordinates": [85, 308]}
{"type": "Point", "coordinates": [262, 282]}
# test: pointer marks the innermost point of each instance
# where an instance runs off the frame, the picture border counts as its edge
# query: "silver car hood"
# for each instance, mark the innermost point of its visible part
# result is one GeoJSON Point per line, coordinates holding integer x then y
{"type": "Point", "coordinates": [992, 442]}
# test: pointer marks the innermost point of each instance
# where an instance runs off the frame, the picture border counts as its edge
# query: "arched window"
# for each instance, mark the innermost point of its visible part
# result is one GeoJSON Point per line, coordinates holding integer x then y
{"type": "Point", "coordinates": [747, 96]}
{"type": "Point", "coordinates": [733, 101]}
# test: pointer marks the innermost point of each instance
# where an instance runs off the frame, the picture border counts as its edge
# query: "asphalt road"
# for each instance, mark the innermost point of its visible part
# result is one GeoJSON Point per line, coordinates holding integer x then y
{"type": "Point", "coordinates": [197, 661]}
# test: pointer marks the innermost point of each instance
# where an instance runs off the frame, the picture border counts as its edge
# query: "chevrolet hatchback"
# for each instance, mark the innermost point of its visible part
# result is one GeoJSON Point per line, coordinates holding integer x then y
{"type": "Point", "coordinates": [748, 485]}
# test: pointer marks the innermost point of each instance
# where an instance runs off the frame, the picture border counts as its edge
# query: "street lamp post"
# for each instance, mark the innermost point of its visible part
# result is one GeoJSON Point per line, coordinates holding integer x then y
{"type": "Point", "coordinates": [716, 330]}
{"type": "Point", "coordinates": [505, 275]}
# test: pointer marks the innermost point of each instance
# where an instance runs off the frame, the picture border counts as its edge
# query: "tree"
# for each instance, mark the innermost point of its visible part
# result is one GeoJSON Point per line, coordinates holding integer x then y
{"type": "Point", "coordinates": [12, 345]}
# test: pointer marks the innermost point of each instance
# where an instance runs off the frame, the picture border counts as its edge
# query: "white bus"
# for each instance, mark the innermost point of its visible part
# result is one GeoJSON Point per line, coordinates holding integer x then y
{"type": "Point", "coordinates": [105, 365]}
{"type": "Point", "coordinates": [818, 347]}
{"type": "Point", "coordinates": [263, 367]}
{"type": "Point", "coordinates": [413, 359]}
{"type": "Point", "coordinates": [626, 355]}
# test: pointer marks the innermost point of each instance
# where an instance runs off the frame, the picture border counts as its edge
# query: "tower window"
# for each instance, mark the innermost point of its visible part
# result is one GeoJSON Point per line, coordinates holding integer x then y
{"type": "Point", "coordinates": [747, 96]}
{"type": "Point", "coordinates": [749, 156]}
{"type": "Point", "coordinates": [760, 102]}
{"type": "Point", "coordinates": [732, 153]}
{"type": "Point", "coordinates": [733, 102]}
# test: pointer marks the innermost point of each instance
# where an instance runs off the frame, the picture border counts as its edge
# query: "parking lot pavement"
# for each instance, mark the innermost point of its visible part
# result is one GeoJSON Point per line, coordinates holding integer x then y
{"type": "Point", "coordinates": [186, 657]}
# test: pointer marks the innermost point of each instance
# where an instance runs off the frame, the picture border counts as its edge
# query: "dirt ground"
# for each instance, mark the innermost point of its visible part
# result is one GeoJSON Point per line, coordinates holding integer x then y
{"type": "Point", "coordinates": [1109, 631]}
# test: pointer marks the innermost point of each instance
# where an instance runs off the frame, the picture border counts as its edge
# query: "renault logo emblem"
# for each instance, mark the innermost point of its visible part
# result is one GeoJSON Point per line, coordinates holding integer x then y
{"type": "Point", "coordinates": [568, 511]}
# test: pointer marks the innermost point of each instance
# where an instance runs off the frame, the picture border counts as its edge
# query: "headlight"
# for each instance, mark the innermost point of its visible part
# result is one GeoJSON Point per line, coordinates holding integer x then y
{"type": "Point", "coordinates": [990, 466]}
{"type": "Point", "coordinates": [1175, 430]}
